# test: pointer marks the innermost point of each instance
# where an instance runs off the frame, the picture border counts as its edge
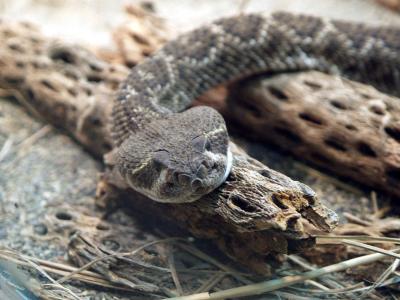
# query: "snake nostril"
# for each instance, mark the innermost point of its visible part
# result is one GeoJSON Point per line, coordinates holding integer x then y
{"type": "Point", "coordinates": [202, 171]}
{"type": "Point", "coordinates": [209, 164]}
{"type": "Point", "coordinates": [175, 176]}
{"type": "Point", "coordinates": [184, 179]}
{"type": "Point", "coordinates": [196, 185]}
{"type": "Point", "coordinates": [206, 163]}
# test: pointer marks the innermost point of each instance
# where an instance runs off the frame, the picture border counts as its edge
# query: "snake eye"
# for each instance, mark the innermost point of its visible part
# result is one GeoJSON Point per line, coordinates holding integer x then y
{"type": "Point", "coordinates": [201, 143]}
{"type": "Point", "coordinates": [161, 158]}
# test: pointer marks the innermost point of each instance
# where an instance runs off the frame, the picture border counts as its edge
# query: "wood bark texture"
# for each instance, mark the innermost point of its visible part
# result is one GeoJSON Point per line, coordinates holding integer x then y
{"type": "Point", "coordinates": [348, 128]}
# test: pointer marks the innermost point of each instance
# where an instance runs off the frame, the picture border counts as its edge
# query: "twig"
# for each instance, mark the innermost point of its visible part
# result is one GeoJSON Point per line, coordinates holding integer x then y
{"type": "Point", "coordinates": [210, 283]}
{"type": "Point", "coordinates": [174, 273]}
{"type": "Point", "coordinates": [338, 239]}
{"type": "Point", "coordinates": [6, 148]}
{"type": "Point", "coordinates": [272, 285]}
{"type": "Point", "coordinates": [356, 220]}
{"type": "Point", "coordinates": [34, 137]}
{"type": "Point", "coordinates": [9, 256]}
{"type": "Point", "coordinates": [63, 270]}
{"type": "Point", "coordinates": [374, 200]}
{"type": "Point", "coordinates": [45, 274]}
{"type": "Point", "coordinates": [332, 283]}
{"type": "Point", "coordinates": [383, 277]}
{"type": "Point", "coordinates": [134, 252]}
{"type": "Point", "coordinates": [10, 92]}
{"type": "Point", "coordinates": [371, 248]}
{"type": "Point", "coordinates": [204, 256]}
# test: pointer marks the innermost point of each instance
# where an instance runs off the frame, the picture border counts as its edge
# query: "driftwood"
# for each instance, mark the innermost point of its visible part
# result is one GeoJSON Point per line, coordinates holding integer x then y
{"type": "Point", "coordinates": [257, 212]}
{"type": "Point", "coordinates": [391, 4]}
{"type": "Point", "coordinates": [345, 127]}
{"type": "Point", "coordinates": [140, 35]}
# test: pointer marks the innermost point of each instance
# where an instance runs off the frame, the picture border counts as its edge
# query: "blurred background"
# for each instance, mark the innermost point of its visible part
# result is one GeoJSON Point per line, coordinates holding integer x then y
{"type": "Point", "coordinates": [90, 21]}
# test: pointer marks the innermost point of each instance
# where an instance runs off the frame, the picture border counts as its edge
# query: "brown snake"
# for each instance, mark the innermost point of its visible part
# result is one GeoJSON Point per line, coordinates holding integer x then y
{"type": "Point", "coordinates": [175, 155]}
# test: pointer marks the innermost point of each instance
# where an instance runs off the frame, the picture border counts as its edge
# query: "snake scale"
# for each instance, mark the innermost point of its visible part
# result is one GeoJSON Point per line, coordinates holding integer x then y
{"type": "Point", "coordinates": [174, 154]}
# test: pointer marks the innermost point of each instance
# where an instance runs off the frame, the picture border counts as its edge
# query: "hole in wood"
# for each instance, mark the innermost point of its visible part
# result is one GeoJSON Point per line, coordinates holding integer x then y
{"type": "Point", "coordinates": [130, 64]}
{"type": "Point", "coordinates": [278, 202]}
{"type": "Point", "coordinates": [311, 118]}
{"type": "Point", "coordinates": [71, 75]}
{"type": "Point", "coordinates": [34, 40]}
{"type": "Point", "coordinates": [107, 147]}
{"type": "Point", "coordinates": [366, 96]}
{"type": "Point", "coordinates": [289, 135]}
{"type": "Point", "coordinates": [48, 85]}
{"type": "Point", "coordinates": [265, 173]}
{"type": "Point", "coordinates": [102, 227]}
{"type": "Point", "coordinates": [315, 156]}
{"type": "Point", "coordinates": [251, 109]}
{"type": "Point", "coordinates": [13, 80]}
{"type": "Point", "coordinates": [40, 229]}
{"type": "Point", "coordinates": [292, 221]}
{"type": "Point", "coordinates": [94, 78]}
{"type": "Point", "coordinates": [20, 64]}
{"type": "Point", "coordinates": [37, 65]}
{"type": "Point", "coordinates": [102, 192]}
{"type": "Point", "coordinates": [64, 216]}
{"type": "Point", "coordinates": [351, 127]}
{"type": "Point", "coordinates": [393, 174]}
{"type": "Point", "coordinates": [30, 94]}
{"type": "Point", "coordinates": [376, 109]}
{"type": "Point", "coordinates": [95, 68]}
{"type": "Point", "coordinates": [73, 92]}
{"type": "Point", "coordinates": [139, 39]}
{"type": "Point", "coordinates": [335, 143]}
{"type": "Point", "coordinates": [338, 104]}
{"type": "Point", "coordinates": [393, 131]}
{"type": "Point", "coordinates": [63, 55]}
{"type": "Point", "coordinates": [27, 25]}
{"type": "Point", "coordinates": [88, 92]}
{"type": "Point", "coordinates": [278, 93]}
{"type": "Point", "coordinates": [366, 149]}
{"type": "Point", "coordinates": [313, 85]}
{"type": "Point", "coordinates": [310, 199]}
{"type": "Point", "coordinates": [243, 204]}
{"type": "Point", "coordinates": [16, 48]}
{"type": "Point", "coordinates": [95, 121]}
{"type": "Point", "coordinates": [8, 33]}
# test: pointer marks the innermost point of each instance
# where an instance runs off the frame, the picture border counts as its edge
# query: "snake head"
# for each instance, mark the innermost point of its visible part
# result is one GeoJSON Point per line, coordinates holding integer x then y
{"type": "Point", "coordinates": [178, 159]}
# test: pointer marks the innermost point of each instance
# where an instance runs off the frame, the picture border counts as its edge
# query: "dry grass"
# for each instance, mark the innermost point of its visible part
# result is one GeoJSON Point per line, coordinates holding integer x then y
{"type": "Point", "coordinates": [315, 281]}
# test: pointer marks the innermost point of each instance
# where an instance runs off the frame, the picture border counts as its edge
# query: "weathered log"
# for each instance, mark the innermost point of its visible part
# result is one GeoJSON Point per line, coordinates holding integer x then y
{"type": "Point", "coordinates": [140, 35]}
{"type": "Point", "coordinates": [257, 212]}
{"type": "Point", "coordinates": [348, 128]}
{"type": "Point", "coordinates": [391, 4]}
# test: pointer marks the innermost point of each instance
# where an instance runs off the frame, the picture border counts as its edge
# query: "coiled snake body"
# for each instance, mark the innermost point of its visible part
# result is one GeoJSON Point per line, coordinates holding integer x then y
{"type": "Point", "coordinates": [175, 155]}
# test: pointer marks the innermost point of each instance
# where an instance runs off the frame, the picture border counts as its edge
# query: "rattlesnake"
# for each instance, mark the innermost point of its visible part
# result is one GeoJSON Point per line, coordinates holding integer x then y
{"type": "Point", "coordinates": [175, 155]}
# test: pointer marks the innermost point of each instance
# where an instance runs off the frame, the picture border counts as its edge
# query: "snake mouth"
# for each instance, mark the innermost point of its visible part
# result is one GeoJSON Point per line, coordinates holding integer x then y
{"type": "Point", "coordinates": [229, 163]}
{"type": "Point", "coordinates": [205, 185]}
